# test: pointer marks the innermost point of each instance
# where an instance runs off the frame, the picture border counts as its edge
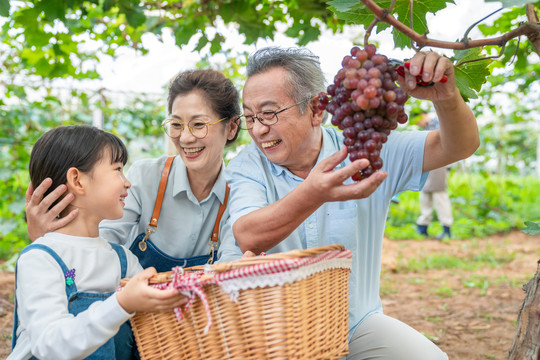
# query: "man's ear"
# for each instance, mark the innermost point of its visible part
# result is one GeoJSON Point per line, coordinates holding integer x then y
{"type": "Point", "coordinates": [316, 113]}
{"type": "Point", "coordinates": [233, 129]}
{"type": "Point", "coordinates": [75, 181]}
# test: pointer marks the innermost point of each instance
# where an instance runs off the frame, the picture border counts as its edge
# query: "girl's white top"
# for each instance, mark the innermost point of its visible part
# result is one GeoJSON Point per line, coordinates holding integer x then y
{"type": "Point", "coordinates": [46, 329]}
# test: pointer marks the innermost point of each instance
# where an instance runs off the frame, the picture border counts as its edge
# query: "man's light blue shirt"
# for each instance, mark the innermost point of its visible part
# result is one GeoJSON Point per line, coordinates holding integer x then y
{"type": "Point", "coordinates": [185, 225]}
{"type": "Point", "coordinates": [359, 225]}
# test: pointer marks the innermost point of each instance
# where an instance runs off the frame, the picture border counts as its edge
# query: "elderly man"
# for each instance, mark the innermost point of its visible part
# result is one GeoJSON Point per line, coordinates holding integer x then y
{"type": "Point", "coordinates": [291, 187]}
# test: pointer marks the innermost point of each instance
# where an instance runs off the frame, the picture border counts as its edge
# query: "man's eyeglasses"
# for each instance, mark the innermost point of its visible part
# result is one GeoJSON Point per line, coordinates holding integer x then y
{"type": "Point", "coordinates": [266, 118]}
{"type": "Point", "coordinates": [198, 128]}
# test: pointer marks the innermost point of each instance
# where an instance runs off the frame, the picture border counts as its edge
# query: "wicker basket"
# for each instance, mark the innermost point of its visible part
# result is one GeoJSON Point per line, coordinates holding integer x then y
{"type": "Point", "coordinates": [291, 305]}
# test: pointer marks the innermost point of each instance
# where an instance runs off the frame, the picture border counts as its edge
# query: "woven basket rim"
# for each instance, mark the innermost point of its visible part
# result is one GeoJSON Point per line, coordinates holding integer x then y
{"type": "Point", "coordinates": [245, 262]}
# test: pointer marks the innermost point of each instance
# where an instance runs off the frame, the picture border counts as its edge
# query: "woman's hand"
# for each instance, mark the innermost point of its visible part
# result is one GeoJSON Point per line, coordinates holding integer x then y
{"type": "Point", "coordinates": [40, 219]}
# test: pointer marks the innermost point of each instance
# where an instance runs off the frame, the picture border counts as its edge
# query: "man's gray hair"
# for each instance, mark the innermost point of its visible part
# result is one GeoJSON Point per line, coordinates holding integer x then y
{"type": "Point", "coordinates": [306, 78]}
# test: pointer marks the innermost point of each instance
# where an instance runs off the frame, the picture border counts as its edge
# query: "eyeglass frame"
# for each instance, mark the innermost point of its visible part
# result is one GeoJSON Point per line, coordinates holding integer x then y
{"type": "Point", "coordinates": [183, 124]}
{"type": "Point", "coordinates": [261, 121]}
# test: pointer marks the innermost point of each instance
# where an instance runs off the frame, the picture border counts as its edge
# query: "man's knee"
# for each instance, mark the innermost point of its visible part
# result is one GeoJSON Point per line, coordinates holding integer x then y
{"type": "Point", "coordinates": [382, 337]}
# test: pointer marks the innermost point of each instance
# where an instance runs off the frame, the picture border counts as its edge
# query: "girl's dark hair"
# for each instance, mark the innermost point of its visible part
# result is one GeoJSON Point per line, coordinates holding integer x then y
{"type": "Point", "coordinates": [219, 92]}
{"type": "Point", "coordinates": [65, 147]}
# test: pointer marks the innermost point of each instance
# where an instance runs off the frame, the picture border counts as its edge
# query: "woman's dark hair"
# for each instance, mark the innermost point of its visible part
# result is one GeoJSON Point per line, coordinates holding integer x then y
{"type": "Point", "coordinates": [219, 92]}
{"type": "Point", "coordinates": [76, 146]}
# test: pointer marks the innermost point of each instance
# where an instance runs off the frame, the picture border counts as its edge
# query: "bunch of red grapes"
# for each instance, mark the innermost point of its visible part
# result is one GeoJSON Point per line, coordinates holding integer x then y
{"type": "Point", "coordinates": [366, 103]}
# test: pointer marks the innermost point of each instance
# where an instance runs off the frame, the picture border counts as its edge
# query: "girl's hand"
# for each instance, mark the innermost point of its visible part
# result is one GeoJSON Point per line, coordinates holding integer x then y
{"type": "Point", "coordinates": [137, 295]}
{"type": "Point", "coordinates": [39, 218]}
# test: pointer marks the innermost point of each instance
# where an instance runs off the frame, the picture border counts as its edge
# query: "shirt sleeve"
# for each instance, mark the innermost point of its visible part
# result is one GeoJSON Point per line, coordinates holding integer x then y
{"type": "Point", "coordinates": [123, 231]}
{"type": "Point", "coordinates": [43, 311]}
{"type": "Point", "coordinates": [248, 189]}
{"type": "Point", "coordinates": [228, 249]}
{"type": "Point", "coordinates": [403, 155]}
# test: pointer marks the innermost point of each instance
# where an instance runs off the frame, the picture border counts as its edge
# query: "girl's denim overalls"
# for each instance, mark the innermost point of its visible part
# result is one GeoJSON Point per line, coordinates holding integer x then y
{"type": "Point", "coordinates": [122, 345]}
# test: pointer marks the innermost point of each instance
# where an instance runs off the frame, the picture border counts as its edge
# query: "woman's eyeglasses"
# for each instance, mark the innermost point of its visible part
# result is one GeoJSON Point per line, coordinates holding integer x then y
{"type": "Point", "coordinates": [198, 128]}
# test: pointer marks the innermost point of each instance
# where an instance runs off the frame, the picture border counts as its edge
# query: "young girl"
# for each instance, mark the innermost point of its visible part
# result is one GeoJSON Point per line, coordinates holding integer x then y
{"type": "Point", "coordinates": [66, 306]}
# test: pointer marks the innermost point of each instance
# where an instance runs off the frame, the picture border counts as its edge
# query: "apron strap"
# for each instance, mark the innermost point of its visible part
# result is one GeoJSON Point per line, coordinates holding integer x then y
{"type": "Point", "coordinates": [221, 210]}
{"type": "Point", "coordinates": [161, 191]}
{"type": "Point", "coordinates": [215, 232]}
{"type": "Point", "coordinates": [152, 225]}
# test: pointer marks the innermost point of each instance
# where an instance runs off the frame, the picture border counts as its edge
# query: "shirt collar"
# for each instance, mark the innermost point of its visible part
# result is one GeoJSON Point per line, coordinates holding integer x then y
{"type": "Point", "coordinates": [181, 182]}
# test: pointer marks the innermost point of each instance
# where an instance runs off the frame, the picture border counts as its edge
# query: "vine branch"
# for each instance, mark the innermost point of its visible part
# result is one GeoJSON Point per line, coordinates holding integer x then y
{"type": "Point", "coordinates": [530, 29]}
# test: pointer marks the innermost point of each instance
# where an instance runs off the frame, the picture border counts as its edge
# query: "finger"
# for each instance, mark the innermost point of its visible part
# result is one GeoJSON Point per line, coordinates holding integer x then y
{"type": "Point", "coordinates": [149, 272]}
{"type": "Point", "coordinates": [444, 67]}
{"type": "Point", "coordinates": [347, 171]}
{"type": "Point", "coordinates": [334, 160]}
{"type": "Point", "coordinates": [63, 221]}
{"type": "Point", "coordinates": [167, 296]}
{"type": "Point", "coordinates": [145, 275]}
{"type": "Point", "coordinates": [62, 204]}
{"type": "Point", "coordinates": [416, 64]}
{"type": "Point", "coordinates": [428, 67]}
{"type": "Point", "coordinates": [37, 194]}
{"type": "Point", "coordinates": [366, 187]}
{"type": "Point", "coordinates": [29, 192]}
{"type": "Point", "coordinates": [249, 253]}
{"type": "Point", "coordinates": [50, 198]}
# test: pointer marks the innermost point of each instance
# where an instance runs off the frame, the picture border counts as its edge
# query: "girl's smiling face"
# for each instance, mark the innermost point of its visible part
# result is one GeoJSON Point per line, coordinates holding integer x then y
{"type": "Point", "coordinates": [106, 189]}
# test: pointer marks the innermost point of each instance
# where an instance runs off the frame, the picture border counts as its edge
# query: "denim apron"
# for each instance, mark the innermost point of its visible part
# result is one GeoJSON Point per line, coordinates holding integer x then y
{"type": "Point", "coordinates": [150, 255]}
{"type": "Point", "coordinates": [121, 346]}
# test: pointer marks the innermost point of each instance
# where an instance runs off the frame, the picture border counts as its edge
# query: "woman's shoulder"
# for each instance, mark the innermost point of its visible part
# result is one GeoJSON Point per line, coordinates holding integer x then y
{"type": "Point", "coordinates": [149, 166]}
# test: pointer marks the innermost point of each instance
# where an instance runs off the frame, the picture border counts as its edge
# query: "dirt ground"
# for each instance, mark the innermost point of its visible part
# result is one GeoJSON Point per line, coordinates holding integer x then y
{"type": "Point", "coordinates": [466, 299]}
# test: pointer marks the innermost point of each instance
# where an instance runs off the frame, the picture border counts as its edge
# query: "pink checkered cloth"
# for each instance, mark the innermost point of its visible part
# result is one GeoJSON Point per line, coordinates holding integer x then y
{"type": "Point", "coordinates": [277, 272]}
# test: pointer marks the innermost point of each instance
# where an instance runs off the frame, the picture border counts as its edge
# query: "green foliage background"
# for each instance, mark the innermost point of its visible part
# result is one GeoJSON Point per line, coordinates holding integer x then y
{"type": "Point", "coordinates": [482, 204]}
{"type": "Point", "coordinates": [43, 41]}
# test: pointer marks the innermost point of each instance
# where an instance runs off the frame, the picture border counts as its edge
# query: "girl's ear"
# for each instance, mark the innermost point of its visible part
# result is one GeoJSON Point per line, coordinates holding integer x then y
{"type": "Point", "coordinates": [75, 183]}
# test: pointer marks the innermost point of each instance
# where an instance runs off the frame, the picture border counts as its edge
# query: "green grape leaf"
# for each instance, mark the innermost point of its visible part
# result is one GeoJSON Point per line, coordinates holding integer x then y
{"type": "Point", "coordinates": [342, 6]}
{"type": "Point", "coordinates": [354, 12]}
{"type": "Point", "coordinates": [108, 4]}
{"type": "Point", "coordinates": [202, 42]}
{"type": "Point", "coordinates": [134, 13]}
{"type": "Point", "coordinates": [182, 35]}
{"type": "Point", "coordinates": [215, 44]}
{"type": "Point", "coordinates": [4, 8]}
{"type": "Point", "coordinates": [311, 33]}
{"type": "Point", "coordinates": [470, 76]}
{"type": "Point", "coordinates": [532, 228]}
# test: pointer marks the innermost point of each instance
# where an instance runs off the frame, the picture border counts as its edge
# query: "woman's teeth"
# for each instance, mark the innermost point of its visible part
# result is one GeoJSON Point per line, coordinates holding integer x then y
{"type": "Point", "coordinates": [193, 150]}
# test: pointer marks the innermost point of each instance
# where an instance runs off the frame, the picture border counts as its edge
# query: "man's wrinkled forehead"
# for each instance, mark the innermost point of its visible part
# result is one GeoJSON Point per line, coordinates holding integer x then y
{"type": "Point", "coordinates": [265, 89]}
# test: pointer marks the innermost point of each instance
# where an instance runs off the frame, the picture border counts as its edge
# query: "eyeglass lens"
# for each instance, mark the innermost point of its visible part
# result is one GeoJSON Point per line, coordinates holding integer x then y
{"type": "Point", "coordinates": [197, 128]}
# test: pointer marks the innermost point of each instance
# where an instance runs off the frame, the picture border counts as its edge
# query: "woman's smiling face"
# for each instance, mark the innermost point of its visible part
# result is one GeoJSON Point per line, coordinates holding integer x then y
{"type": "Point", "coordinates": [206, 154]}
